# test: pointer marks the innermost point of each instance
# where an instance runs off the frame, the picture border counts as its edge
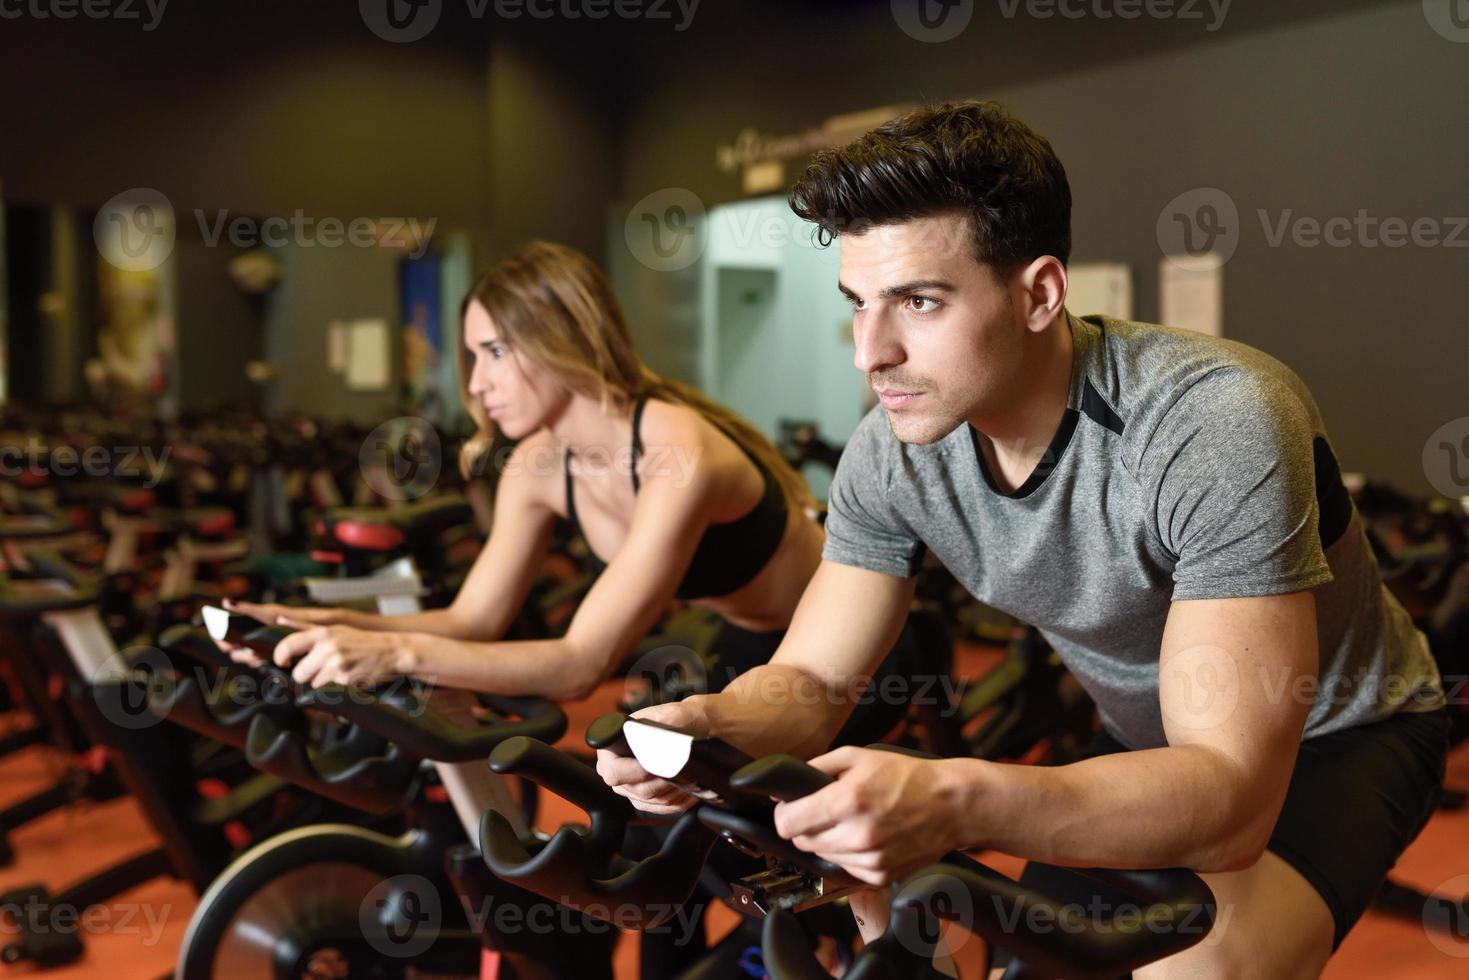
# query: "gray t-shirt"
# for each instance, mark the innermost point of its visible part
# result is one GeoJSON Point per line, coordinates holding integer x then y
{"type": "Point", "coordinates": [1185, 467]}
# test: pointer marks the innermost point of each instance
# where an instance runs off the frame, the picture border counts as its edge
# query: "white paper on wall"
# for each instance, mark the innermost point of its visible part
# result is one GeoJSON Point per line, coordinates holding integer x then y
{"type": "Point", "coordinates": [369, 364]}
{"type": "Point", "coordinates": [1191, 295]}
{"type": "Point", "coordinates": [1100, 287]}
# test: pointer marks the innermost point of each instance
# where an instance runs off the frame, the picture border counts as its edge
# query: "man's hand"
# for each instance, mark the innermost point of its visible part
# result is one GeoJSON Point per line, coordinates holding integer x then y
{"type": "Point", "coordinates": [646, 791]}
{"type": "Point", "coordinates": [887, 814]}
{"type": "Point", "coordinates": [341, 655]}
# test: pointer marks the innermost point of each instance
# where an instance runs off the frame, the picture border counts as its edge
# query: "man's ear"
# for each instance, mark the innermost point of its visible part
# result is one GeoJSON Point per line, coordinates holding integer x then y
{"type": "Point", "coordinates": [1040, 291]}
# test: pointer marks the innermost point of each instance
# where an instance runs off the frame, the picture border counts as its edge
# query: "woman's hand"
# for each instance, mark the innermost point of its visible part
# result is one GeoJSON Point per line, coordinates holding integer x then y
{"type": "Point", "coordinates": [271, 614]}
{"type": "Point", "coordinates": [342, 655]}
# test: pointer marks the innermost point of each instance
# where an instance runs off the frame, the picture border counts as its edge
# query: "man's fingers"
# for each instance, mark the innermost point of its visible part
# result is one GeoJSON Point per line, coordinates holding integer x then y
{"type": "Point", "coordinates": [838, 761]}
{"type": "Point", "coordinates": [820, 811]}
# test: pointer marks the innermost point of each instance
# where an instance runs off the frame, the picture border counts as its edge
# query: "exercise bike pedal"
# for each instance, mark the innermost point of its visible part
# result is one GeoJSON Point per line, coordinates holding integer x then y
{"type": "Point", "coordinates": [46, 949]}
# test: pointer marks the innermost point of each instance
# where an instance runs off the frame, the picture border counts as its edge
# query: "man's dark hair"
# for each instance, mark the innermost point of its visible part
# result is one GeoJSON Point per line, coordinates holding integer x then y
{"type": "Point", "coordinates": [969, 157]}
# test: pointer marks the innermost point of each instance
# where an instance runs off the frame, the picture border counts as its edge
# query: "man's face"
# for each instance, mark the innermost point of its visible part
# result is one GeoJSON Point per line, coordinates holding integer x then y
{"type": "Point", "coordinates": [936, 333]}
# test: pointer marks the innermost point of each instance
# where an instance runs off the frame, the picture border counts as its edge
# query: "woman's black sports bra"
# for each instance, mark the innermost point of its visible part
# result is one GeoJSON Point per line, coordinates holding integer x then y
{"type": "Point", "coordinates": [729, 555]}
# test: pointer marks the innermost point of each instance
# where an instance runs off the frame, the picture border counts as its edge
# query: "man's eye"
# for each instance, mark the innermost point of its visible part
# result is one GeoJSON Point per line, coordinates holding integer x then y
{"type": "Point", "coordinates": [928, 304]}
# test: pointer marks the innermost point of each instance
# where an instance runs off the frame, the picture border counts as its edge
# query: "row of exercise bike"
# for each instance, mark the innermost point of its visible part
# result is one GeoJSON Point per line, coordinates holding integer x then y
{"type": "Point", "coordinates": [392, 832]}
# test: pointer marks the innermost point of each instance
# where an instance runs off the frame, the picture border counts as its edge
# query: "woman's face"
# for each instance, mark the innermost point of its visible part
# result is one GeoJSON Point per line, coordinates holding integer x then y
{"type": "Point", "coordinates": [518, 395]}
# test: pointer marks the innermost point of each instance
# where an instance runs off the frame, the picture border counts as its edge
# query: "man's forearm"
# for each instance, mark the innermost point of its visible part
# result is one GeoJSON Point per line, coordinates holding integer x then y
{"type": "Point", "coordinates": [776, 708]}
{"type": "Point", "coordinates": [1184, 806]}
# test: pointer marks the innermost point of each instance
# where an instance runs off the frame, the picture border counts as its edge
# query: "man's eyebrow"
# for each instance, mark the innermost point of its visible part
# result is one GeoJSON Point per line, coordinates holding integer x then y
{"type": "Point", "coordinates": [903, 289]}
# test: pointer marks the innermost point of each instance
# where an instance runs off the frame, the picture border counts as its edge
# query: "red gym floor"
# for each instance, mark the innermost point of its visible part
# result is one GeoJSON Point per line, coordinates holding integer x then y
{"type": "Point", "coordinates": [138, 935]}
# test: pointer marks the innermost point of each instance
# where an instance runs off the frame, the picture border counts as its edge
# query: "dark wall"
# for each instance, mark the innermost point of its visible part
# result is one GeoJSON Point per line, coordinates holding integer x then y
{"type": "Point", "coordinates": [1320, 109]}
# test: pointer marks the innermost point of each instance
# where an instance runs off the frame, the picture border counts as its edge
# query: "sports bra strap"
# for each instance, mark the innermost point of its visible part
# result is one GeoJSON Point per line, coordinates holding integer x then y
{"type": "Point", "coordinates": [637, 439]}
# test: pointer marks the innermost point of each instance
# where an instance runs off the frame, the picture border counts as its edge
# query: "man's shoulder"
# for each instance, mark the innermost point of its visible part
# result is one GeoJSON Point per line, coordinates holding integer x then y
{"type": "Point", "coordinates": [1149, 372]}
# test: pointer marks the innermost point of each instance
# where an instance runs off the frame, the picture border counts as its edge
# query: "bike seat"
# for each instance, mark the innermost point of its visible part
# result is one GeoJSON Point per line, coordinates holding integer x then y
{"type": "Point", "coordinates": [54, 584]}
{"type": "Point", "coordinates": [394, 530]}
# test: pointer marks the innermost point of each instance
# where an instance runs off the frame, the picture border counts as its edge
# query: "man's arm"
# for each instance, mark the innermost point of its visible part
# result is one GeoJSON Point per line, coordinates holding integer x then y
{"type": "Point", "coordinates": [1208, 801]}
{"type": "Point", "coordinates": [847, 620]}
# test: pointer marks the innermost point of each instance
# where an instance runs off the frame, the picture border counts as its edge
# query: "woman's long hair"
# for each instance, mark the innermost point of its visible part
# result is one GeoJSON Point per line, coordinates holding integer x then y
{"type": "Point", "coordinates": [552, 304]}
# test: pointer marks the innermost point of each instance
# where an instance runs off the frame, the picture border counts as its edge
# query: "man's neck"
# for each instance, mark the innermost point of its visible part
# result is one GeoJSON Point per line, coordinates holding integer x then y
{"type": "Point", "coordinates": [1014, 443]}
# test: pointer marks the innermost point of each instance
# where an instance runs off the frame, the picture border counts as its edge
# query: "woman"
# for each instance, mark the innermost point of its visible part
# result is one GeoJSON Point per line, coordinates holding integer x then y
{"type": "Point", "coordinates": [679, 497]}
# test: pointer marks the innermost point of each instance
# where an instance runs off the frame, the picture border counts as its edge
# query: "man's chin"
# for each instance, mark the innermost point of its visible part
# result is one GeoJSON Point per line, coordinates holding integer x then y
{"type": "Point", "coordinates": [919, 430]}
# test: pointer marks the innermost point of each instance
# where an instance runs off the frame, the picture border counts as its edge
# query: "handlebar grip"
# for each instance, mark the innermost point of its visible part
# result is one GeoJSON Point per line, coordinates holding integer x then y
{"type": "Point", "coordinates": [782, 777]}
{"type": "Point", "coordinates": [606, 733]}
{"type": "Point", "coordinates": [1174, 910]}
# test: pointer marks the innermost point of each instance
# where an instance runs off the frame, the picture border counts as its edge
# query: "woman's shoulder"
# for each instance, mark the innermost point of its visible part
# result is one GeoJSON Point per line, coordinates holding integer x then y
{"type": "Point", "coordinates": [681, 436]}
{"type": "Point", "coordinates": [534, 466]}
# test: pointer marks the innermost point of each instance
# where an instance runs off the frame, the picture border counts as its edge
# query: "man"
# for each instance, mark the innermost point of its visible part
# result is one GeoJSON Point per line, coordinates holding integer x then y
{"type": "Point", "coordinates": [1164, 506]}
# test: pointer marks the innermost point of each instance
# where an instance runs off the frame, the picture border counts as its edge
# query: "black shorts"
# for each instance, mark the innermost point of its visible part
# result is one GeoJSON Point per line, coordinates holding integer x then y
{"type": "Point", "coordinates": [1357, 799]}
{"type": "Point", "coordinates": [873, 718]}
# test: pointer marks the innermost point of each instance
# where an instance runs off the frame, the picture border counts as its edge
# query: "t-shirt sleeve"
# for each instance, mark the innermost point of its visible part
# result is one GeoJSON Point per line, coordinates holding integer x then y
{"type": "Point", "coordinates": [861, 528]}
{"type": "Point", "coordinates": [1233, 473]}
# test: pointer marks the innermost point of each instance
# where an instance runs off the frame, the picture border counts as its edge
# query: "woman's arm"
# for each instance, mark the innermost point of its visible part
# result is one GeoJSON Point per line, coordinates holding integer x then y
{"type": "Point", "coordinates": [670, 516]}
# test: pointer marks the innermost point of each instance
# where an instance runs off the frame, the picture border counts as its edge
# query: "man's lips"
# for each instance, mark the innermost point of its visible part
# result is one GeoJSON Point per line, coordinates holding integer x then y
{"type": "Point", "coordinates": [893, 398]}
